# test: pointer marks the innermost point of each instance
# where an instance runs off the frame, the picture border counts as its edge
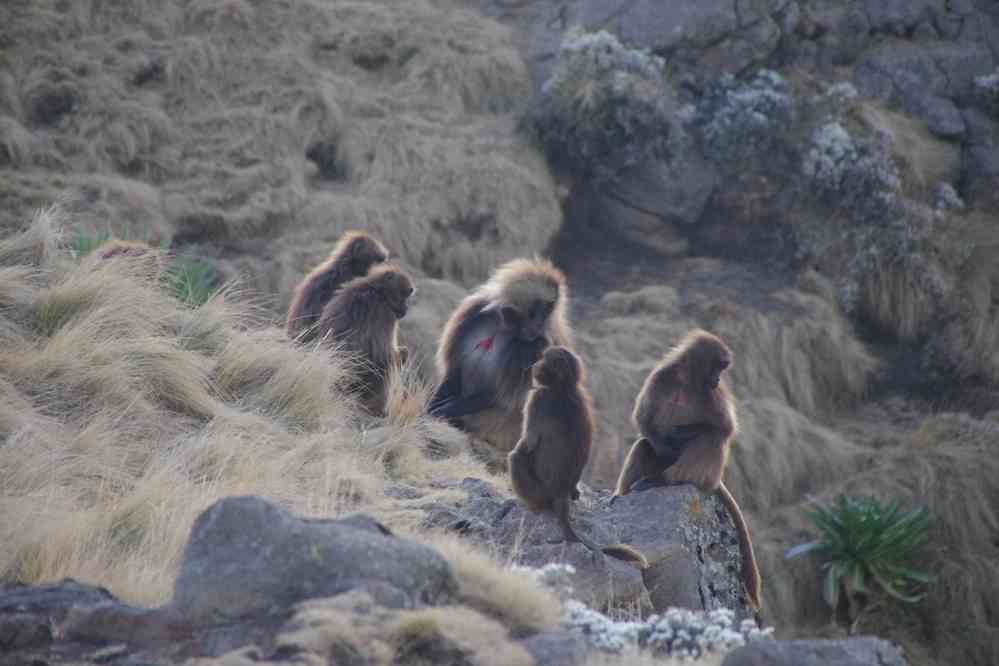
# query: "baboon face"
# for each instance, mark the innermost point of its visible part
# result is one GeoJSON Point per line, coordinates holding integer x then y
{"type": "Point", "coordinates": [530, 325]}
{"type": "Point", "coordinates": [714, 358]}
{"type": "Point", "coordinates": [557, 365]}
{"type": "Point", "coordinates": [365, 252]}
{"type": "Point", "coordinates": [397, 288]}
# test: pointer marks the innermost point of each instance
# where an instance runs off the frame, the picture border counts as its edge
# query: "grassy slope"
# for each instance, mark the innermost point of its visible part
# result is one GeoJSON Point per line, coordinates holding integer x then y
{"type": "Point", "coordinates": [256, 133]}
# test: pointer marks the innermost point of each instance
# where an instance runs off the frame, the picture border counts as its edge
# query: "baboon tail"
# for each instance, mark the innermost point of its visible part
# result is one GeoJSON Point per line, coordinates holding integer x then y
{"type": "Point", "coordinates": [750, 571]}
{"type": "Point", "coordinates": [623, 551]}
{"type": "Point", "coordinates": [619, 551]}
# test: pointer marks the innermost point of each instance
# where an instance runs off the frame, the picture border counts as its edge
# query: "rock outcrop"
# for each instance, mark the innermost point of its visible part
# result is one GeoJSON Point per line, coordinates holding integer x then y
{"type": "Point", "coordinates": [860, 651]}
{"type": "Point", "coordinates": [687, 536]}
{"type": "Point", "coordinates": [258, 585]}
{"type": "Point", "coordinates": [248, 556]}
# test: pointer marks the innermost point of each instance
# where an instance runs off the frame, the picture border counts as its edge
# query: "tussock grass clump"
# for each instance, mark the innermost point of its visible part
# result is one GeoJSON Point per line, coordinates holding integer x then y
{"type": "Point", "coordinates": [125, 412]}
{"type": "Point", "coordinates": [504, 594]}
{"type": "Point", "coordinates": [947, 467]}
{"type": "Point", "coordinates": [796, 358]}
{"type": "Point", "coordinates": [221, 121]}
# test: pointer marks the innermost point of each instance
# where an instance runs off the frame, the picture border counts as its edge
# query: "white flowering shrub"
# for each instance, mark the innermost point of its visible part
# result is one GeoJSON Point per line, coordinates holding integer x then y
{"type": "Point", "coordinates": [604, 108]}
{"type": "Point", "coordinates": [986, 92]}
{"type": "Point", "coordinates": [947, 198]}
{"type": "Point", "coordinates": [678, 632]}
{"type": "Point", "coordinates": [555, 576]}
{"type": "Point", "coordinates": [739, 119]}
{"type": "Point", "coordinates": [858, 176]}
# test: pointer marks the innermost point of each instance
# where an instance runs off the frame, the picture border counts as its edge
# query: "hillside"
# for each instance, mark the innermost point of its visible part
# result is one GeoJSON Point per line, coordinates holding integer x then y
{"type": "Point", "coordinates": [830, 211]}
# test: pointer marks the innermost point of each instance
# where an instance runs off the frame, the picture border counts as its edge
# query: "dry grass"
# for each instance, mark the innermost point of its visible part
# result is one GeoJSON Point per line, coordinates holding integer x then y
{"type": "Point", "coordinates": [125, 413]}
{"type": "Point", "coordinates": [945, 465]}
{"type": "Point", "coordinates": [894, 298]}
{"type": "Point", "coordinates": [506, 595]}
{"type": "Point", "coordinates": [795, 360]}
{"type": "Point", "coordinates": [280, 125]}
{"type": "Point", "coordinates": [923, 159]}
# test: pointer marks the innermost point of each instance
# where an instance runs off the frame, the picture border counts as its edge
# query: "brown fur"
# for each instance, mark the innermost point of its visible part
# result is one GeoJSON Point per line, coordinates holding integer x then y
{"type": "Point", "coordinates": [679, 392]}
{"type": "Point", "coordinates": [554, 447]}
{"type": "Point", "coordinates": [516, 288]}
{"type": "Point", "coordinates": [363, 319]}
{"type": "Point", "coordinates": [352, 257]}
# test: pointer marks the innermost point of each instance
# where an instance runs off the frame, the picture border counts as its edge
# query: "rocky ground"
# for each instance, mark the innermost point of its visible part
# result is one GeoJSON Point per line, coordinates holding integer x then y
{"type": "Point", "coordinates": [259, 585]}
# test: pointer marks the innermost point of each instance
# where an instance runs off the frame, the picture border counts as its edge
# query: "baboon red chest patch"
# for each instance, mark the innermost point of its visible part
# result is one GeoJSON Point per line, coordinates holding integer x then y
{"type": "Point", "coordinates": [486, 344]}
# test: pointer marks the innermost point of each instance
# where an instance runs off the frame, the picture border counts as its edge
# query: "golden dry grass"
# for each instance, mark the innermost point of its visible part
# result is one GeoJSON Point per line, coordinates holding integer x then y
{"type": "Point", "coordinates": [923, 159]}
{"type": "Point", "coordinates": [945, 465]}
{"type": "Point", "coordinates": [279, 125]}
{"type": "Point", "coordinates": [126, 413]}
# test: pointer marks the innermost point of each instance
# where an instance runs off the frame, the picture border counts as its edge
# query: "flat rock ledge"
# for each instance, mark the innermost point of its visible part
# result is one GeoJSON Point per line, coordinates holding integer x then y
{"type": "Point", "coordinates": [686, 535]}
{"type": "Point", "coordinates": [260, 586]}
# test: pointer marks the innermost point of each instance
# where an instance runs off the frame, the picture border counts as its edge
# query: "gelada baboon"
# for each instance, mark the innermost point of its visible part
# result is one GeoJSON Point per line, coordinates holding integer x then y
{"type": "Point", "coordinates": [363, 319]}
{"type": "Point", "coordinates": [352, 257]}
{"type": "Point", "coordinates": [554, 446]}
{"type": "Point", "coordinates": [489, 345]}
{"type": "Point", "coordinates": [687, 420]}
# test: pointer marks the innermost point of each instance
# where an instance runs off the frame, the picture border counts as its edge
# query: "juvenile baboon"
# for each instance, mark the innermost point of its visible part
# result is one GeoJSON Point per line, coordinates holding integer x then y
{"type": "Point", "coordinates": [554, 446]}
{"type": "Point", "coordinates": [687, 420]}
{"type": "Point", "coordinates": [489, 345]}
{"type": "Point", "coordinates": [363, 319]}
{"type": "Point", "coordinates": [352, 257]}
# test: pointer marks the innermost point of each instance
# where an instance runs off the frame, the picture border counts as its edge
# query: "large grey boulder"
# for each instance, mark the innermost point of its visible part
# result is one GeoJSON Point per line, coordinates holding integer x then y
{"type": "Point", "coordinates": [493, 520]}
{"type": "Point", "coordinates": [922, 80]}
{"type": "Point", "coordinates": [705, 37]}
{"type": "Point", "coordinates": [686, 535]}
{"type": "Point", "coordinates": [980, 159]}
{"type": "Point", "coordinates": [249, 556]}
{"type": "Point", "coordinates": [29, 613]}
{"type": "Point", "coordinates": [860, 651]}
{"type": "Point", "coordinates": [690, 542]}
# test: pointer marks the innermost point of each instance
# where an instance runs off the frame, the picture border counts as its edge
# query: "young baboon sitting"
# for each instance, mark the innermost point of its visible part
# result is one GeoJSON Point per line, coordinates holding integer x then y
{"type": "Point", "coordinates": [554, 446]}
{"type": "Point", "coordinates": [363, 319]}
{"type": "Point", "coordinates": [352, 257]}
{"type": "Point", "coordinates": [687, 419]}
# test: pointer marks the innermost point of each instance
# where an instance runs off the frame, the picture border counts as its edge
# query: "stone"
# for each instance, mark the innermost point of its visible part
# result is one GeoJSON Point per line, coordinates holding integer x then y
{"type": "Point", "coordinates": [249, 556]}
{"type": "Point", "coordinates": [899, 17]}
{"type": "Point", "coordinates": [905, 74]}
{"type": "Point", "coordinates": [707, 37]}
{"type": "Point", "coordinates": [687, 536]}
{"type": "Point", "coordinates": [556, 648]}
{"type": "Point", "coordinates": [691, 534]}
{"type": "Point", "coordinates": [675, 193]}
{"type": "Point", "coordinates": [980, 160]}
{"type": "Point", "coordinates": [29, 612]}
{"type": "Point", "coordinates": [859, 651]}
{"type": "Point", "coordinates": [491, 519]}
{"type": "Point", "coordinates": [942, 116]}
